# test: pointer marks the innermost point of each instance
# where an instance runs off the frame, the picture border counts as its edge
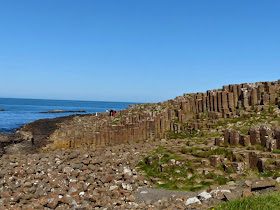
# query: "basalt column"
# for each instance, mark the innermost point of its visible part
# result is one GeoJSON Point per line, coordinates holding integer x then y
{"type": "Point", "coordinates": [233, 89]}
{"type": "Point", "coordinates": [225, 103]}
{"type": "Point", "coordinates": [215, 102]}
{"type": "Point", "coordinates": [220, 107]}
{"type": "Point", "coordinates": [254, 97]}
{"type": "Point", "coordinates": [230, 101]}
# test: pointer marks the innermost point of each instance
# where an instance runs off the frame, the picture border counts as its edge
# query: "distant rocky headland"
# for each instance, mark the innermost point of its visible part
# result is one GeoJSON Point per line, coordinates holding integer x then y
{"type": "Point", "coordinates": [64, 111]}
{"type": "Point", "coordinates": [224, 141]}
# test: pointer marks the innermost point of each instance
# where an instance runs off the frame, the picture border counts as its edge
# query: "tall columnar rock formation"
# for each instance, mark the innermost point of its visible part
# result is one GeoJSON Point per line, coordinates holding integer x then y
{"type": "Point", "coordinates": [150, 121]}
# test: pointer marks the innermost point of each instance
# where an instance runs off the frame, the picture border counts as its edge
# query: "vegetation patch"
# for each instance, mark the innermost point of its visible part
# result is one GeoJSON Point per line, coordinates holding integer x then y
{"type": "Point", "coordinates": [171, 170]}
{"type": "Point", "coordinates": [264, 202]}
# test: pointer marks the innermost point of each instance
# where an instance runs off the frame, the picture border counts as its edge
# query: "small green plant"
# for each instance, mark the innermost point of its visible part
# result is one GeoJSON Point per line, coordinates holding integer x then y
{"type": "Point", "coordinates": [276, 151]}
{"type": "Point", "coordinates": [259, 147]}
{"type": "Point", "coordinates": [184, 150]}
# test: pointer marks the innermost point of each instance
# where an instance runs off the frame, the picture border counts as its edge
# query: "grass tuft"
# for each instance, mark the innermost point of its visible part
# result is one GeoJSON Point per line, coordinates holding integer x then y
{"type": "Point", "coordinates": [263, 202]}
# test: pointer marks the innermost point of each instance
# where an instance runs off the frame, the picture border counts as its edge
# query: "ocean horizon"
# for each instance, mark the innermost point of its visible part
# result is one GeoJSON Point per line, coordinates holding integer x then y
{"type": "Point", "coordinates": [20, 111]}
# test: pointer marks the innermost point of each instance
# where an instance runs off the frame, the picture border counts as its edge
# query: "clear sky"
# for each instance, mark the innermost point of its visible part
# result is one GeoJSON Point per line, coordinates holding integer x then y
{"type": "Point", "coordinates": [135, 50]}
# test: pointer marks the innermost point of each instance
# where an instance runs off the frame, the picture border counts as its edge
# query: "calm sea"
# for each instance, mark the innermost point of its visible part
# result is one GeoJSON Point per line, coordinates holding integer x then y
{"type": "Point", "coordinates": [21, 111]}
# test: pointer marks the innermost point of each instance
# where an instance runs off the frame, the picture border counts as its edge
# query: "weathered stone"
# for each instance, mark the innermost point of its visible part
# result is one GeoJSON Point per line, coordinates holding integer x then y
{"type": "Point", "coordinates": [219, 141]}
{"type": "Point", "coordinates": [253, 158]}
{"type": "Point", "coordinates": [254, 97]}
{"type": "Point", "coordinates": [238, 167]}
{"type": "Point", "coordinates": [227, 135]}
{"type": "Point", "coordinates": [192, 201]}
{"type": "Point", "coordinates": [246, 193]}
{"type": "Point", "coordinates": [254, 135]}
{"type": "Point", "coordinates": [262, 164]}
{"type": "Point", "coordinates": [204, 196]}
{"type": "Point", "coordinates": [215, 160]}
{"type": "Point", "coordinates": [230, 196]}
{"type": "Point", "coordinates": [265, 134]}
{"type": "Point", "coordinates": [244, 140]}
{"type": "Point", "coordinates": [278, 139]}
{"type": "Point", "coordinates": [261, 184]}
{"type": "Point", "coordinates": [271, 144]}
{"type": "Point", "coordinates": [234, 137]}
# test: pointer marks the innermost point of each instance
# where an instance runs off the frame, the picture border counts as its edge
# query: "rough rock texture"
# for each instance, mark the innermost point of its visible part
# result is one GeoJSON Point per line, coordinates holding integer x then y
{"type": "Point", "coordinates": [100, 170]}
{"type": "Point", "coordinates": [151, 121]}
{"type": "Point", "coordinates": [102, 178]}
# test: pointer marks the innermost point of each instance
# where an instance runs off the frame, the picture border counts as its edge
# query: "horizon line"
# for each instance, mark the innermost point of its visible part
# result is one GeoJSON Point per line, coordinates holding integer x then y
{"type": "Point", "coordinates": [71, 100]}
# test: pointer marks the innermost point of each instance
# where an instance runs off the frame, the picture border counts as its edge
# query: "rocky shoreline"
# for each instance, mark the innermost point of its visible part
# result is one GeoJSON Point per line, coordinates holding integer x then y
{"type": "Point", "coordinates": [20, 141]}
{"type": "Point", "coordinates": [217, 146]}
{"type": "Point", "coordinates": [104, 178]}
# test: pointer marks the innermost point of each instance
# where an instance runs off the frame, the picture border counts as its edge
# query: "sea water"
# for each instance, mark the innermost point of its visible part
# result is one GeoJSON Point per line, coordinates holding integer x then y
{"type": "Point", "coordinates": [21, 111]}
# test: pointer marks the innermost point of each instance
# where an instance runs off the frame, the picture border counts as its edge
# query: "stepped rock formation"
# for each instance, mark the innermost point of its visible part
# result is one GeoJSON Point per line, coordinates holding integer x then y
{"type": "Point", "coordinates": [154, 121]}
{"type": "Point", "coordinates": [216, 140]}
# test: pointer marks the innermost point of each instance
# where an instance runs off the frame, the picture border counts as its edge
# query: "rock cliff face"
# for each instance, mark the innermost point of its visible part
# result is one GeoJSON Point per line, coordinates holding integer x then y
{"type": "Point", "coordinates": [154, 121]}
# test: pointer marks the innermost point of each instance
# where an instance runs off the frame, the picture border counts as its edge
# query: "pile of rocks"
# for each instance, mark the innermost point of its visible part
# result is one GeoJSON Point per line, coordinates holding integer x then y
{"type": "Point", "coordinates": [266, 136]}
{"type": "Point", "coordinates": [101, 178]}
{"type": "Point", "coordinates": [72, 179]}
{"type": "Point", "coordinates": [213, 196]}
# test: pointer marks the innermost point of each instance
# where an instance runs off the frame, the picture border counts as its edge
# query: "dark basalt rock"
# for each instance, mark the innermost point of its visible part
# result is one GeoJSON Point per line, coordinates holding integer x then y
{"type": "Point", "coordinates": [40, 130]}
{"type": "Point", "coordinates": [2, 110]}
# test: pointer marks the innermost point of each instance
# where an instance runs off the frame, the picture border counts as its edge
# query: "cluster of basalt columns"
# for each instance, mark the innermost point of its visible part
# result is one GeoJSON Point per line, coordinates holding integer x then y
{"type": "Point", "coordinates": [228, 101]}
{"type": "Point", "coordinates": [115, 134]}
{"type": "Point", "coordinates": [215, 104]}
{"type": "Point", "coordinates": [265, 135]}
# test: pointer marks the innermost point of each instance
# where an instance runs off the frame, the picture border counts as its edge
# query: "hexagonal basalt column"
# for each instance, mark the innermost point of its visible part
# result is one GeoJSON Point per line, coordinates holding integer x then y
{"type": "Point", "coordinates": [219, 141]}
{"type": "Point", "coordinates": [215, 160]}
{"type": "Point", "coordinates": [253, 158]}
{"type": "Point", "coordinates": [254, 97]}
{"type": "Point", "coordinates": [234, 137]}
{"type": "Point", "coordinates": [265, 134]}
{"type": "Point", "coordinates": [254, 135]}
{"type": "Point", "coordinates": [244, 140]}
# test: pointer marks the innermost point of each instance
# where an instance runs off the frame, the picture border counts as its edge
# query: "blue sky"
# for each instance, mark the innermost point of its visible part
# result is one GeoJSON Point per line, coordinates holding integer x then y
{"type": "Point", "coordinates": [141, 51]}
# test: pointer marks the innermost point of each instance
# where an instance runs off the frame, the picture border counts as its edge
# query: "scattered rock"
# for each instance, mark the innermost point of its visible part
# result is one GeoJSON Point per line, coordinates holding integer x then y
{"type": "Point", "coordinates": [192, 201]}
{"type": "Point", "coordinates": [204, 196]}
{"type": "Point", "coordinates": [230, 196]}
{"type": "Point", "coordinates": [246, 193]}
{"type": "Point", "coordinates": [262, 184]}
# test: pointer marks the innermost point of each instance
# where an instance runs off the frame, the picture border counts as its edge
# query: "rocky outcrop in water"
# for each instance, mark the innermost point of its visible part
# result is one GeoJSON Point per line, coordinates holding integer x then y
{"type": "Point", "coordinates": [20, 141]}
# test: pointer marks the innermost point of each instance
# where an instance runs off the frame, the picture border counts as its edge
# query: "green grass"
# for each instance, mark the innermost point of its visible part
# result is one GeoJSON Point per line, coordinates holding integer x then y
{"type": "Point", "coordinates": [276, 151]}
{"type": "Point", "coordinates": [183, 176]}
{"type": "Point", "coordinates": [219, 151]}
{"type": "Point", "coordinates": [263, 202]}
{"type": "Point", "coordinates": [274, 173]}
